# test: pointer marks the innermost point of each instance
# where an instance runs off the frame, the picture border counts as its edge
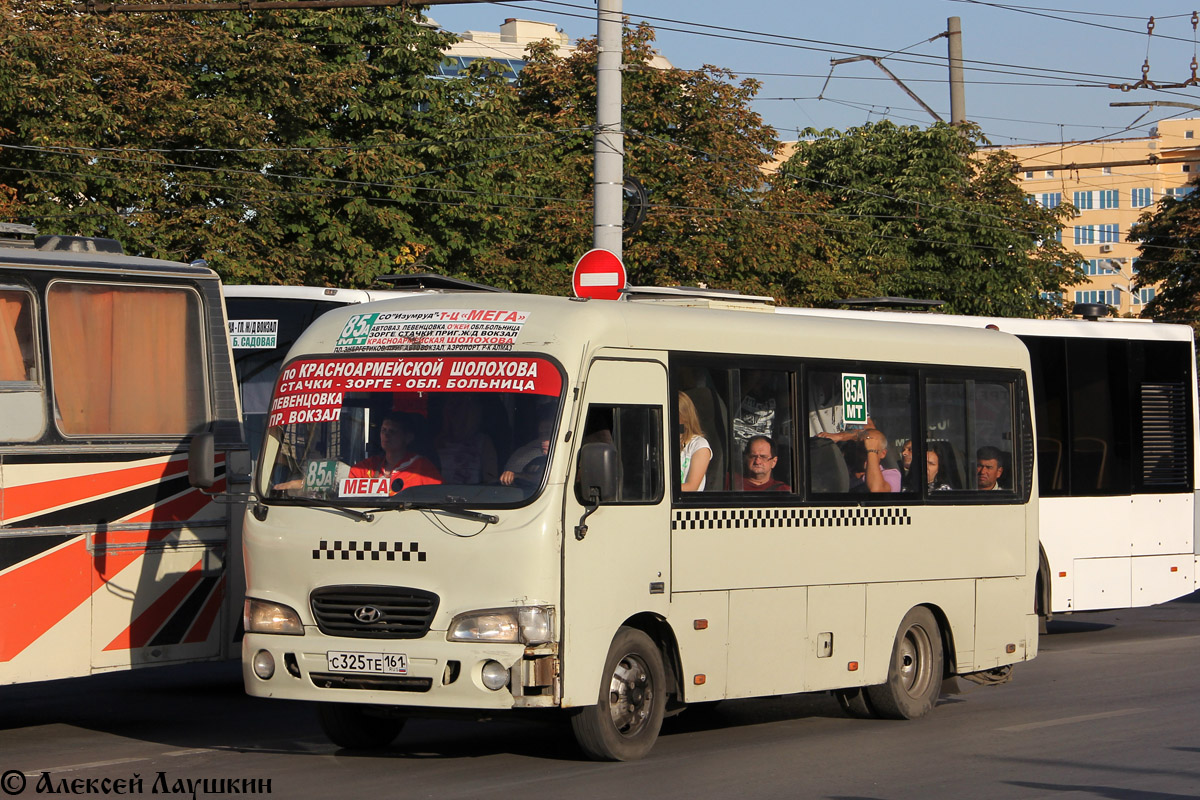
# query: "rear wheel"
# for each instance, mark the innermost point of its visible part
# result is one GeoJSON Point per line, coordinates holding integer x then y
{"type": "Point", "coordinates": [355, 728]}
{"type": "Point", "coordinates": [624, 723]}
{"type": "Point", "coordinates": [915, 673]}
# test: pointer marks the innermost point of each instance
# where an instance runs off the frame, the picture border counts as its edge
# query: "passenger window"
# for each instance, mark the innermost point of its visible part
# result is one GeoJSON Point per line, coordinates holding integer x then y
{"type": "Point", "coordinates": [17, 354]}
{"type": "Point", "coordinates": [860, 425]}
{"type": "Point", "coordinates": [636, 432]}
{"type": "Point", "coordinates": [22, 403]}
{"type": "Point", "coordinates": [126, 360]}
{"type": "Point", "coordinates": [737, 421]}
{"type": "Point", "coordinates": [971, 436]}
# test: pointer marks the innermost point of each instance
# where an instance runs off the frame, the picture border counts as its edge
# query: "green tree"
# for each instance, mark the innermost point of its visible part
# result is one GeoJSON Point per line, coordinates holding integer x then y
{"type": "Point", "coordinates": [1169, 255]}
{"type": "Point", "coordinates": [695, 144]}
{"type": "Point", "coordinates": [930, 218]}
{"type": "Point", "coordinates": [283, 146]}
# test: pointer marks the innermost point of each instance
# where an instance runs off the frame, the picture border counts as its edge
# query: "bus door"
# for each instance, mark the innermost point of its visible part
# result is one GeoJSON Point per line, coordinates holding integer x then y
{"type": "Point", "coordinates": [620, 566]}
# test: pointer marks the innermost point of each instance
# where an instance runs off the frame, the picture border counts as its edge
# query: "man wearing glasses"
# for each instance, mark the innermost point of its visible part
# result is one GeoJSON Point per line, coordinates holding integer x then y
{"type": "Point", "coordinates": [760, 458]}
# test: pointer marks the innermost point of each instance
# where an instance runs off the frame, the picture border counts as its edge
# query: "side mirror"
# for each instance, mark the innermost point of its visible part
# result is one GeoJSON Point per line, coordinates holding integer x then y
{"type": "Point", "coordinates": [598, 472]}
{"type": "Point", "coordinates": [201, 474]}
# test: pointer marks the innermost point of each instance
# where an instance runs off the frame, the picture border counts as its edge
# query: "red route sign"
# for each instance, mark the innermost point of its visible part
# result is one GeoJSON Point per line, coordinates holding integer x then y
{"type": "Point", "coordinates": [599, 274]}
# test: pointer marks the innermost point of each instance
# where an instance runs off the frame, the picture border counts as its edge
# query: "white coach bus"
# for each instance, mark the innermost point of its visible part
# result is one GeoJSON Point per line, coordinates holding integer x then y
{"type": "Point", "coordinates": [1116, 410]}
{"type": "Point", "coordinates": [477, 502]}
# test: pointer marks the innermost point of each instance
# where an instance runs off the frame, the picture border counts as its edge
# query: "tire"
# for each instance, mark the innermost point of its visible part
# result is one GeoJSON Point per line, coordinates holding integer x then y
{"type": "Point", "coordinates": [624, 723]}
{"type": "Point", "coordinates": [856, 703]}
{"type": "Point", "coordinates": [354, 728]}
{"type": "Point", "coordinates": [915, 673]}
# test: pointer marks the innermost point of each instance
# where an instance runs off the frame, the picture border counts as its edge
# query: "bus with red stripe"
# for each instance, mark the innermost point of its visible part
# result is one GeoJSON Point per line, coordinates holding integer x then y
{"type": "Point", "coordinates": [109, 559]}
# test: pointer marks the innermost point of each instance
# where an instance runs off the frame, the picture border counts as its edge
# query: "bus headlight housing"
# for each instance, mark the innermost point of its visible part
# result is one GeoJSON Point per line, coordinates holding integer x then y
{"type": "Point", "coordinates": [519, 625]}
{"type": "Point", "coordinates": [262, 616]}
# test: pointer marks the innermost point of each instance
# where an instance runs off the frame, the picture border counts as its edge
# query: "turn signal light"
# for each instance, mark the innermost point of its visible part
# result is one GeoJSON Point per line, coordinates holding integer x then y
{"type": "Point", "coordinates": [852, 666]}
{"type": "Point", "coordinates": [699, 679]}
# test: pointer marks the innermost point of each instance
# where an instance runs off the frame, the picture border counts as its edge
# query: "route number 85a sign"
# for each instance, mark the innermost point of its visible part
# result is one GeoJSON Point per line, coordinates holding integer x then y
{"type": "Point", "coordinates": [854, 399]}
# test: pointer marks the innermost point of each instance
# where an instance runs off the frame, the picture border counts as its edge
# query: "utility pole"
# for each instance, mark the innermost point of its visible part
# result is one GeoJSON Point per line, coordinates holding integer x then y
{"type": "Point", "coordinates": [609, 147]}
{"type": "Point", "coordinates": [958, 103]}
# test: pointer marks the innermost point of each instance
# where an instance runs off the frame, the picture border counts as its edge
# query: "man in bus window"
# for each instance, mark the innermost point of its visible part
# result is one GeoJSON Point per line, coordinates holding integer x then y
{"type": "Point", "coordinates": [760, 461]}
{"type": "Point", "coordinates": [988, 468]}
{"type": "Point", "coordinates": [398, 460]}
{"type": "Point", "coordinates": [865, 454]}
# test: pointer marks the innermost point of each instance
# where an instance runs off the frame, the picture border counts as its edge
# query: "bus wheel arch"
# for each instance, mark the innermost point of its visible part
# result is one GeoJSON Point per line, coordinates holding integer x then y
{"type": "Point", "coordinates": [624, 722]}
{"type": "Point", "coordinates": [915, 670]}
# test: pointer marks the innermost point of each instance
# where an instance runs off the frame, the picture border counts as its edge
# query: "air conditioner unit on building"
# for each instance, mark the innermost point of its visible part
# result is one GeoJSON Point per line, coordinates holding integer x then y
{"type": "Point", "coordinates": [1106, 248]}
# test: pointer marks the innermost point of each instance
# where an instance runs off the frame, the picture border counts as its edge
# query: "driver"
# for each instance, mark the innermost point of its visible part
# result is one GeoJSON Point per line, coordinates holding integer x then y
{"type": "Point", "coordinates": [396, 434]}
{"type": "Point", "coordinates": [528, 460]}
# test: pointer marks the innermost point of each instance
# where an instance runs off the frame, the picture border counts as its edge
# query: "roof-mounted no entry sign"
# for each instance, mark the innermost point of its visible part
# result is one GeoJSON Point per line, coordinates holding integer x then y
{"type": "Point", "coordinates": [599, 274]}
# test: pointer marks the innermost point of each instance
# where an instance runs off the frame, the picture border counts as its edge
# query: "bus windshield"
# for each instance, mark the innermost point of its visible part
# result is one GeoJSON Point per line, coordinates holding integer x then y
{"type": "Point", "coordinates": [381, 430]}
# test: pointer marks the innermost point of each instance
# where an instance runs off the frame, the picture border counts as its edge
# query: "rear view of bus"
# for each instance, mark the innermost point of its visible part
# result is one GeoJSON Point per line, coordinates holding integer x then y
{"type": "Point", "coordinates": [483, 504]}
{"type": "Point", "coordinates": [108, 365]}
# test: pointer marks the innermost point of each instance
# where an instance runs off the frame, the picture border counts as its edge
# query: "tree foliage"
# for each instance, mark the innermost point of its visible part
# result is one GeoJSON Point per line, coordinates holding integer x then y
{"type": "Point", "coordinates": [1170, 256]}
{"type": "Point", "coordinates": [919, 210]}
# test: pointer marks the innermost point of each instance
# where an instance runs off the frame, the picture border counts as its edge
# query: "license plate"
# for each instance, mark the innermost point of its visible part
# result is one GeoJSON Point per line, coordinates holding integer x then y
{"type": "Point", "coordinates": [370, 663]}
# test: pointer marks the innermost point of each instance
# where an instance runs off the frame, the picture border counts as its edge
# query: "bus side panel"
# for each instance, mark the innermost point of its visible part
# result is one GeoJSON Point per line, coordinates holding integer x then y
{"type": "Point", "coordinates": [836, 624]}
{"type": "Point", "coordinates": [769, 648]}
{"type": "Point", "coordinates": [701, 624]}
{"type": "Point", "coordinates": [887, 603]}
{"type": "Point", "coordinates": [143, 583]}
{"type": "Point", "coordinates": [998, 626]}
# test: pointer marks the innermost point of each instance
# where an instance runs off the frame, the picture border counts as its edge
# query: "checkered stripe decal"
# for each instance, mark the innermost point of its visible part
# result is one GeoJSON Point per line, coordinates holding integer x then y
{"type": "Point", "coordinates": [731, 518]}
{"type": "Point", "coordinates": [361, 551]}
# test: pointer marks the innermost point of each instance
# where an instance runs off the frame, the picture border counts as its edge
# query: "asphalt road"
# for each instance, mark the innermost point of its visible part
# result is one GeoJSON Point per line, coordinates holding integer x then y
{"type": "Point", "coordinates": [1110, 709]}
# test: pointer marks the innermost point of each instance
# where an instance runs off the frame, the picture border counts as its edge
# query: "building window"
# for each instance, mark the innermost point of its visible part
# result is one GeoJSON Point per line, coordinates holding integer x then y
{"type": "Point", "coordinates": [1098, 266]}
{"type": "Point", "coordinates": [1109, 233]}
{"type": "Point", "coordinates": [1106, 170]}
{"type": "Point", "coordinates": [1187, 134]}
{"type": "Point", "coordinates": [1085, 234]}
{"type": "Point", "coordinates": [1084, 201]}
{"type": "Point", "coordinates": [1179, 192]}
{"type": "Point", "coordinates": [1050, 199]}
{"type": "Point", "coordinates": [1187, 167]}
{"type": "Point", "coordinates": [1049, 173]}
{"type": "Point", "coordinates": [1143, 296]}
{"type": "Point", "coordinates": [1141, 198]}
{"type": "Point", "coordinates": [1106, 296]}
{"type": "Point", "coordinates": [1110, 198]}
{"type": "Point", "coordinates": [1054, 298]}
{"type": "Point", "coordinates": [1029, 173]}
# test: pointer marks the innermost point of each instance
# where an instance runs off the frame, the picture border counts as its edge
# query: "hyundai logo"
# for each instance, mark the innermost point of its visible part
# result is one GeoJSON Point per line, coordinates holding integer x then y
{"type": "Point", "coordinates": [368, 615]}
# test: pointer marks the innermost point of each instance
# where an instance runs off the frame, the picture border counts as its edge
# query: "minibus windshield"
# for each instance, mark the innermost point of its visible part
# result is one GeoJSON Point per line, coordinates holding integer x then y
{"type": "Point", "coordinates": [411, 430]}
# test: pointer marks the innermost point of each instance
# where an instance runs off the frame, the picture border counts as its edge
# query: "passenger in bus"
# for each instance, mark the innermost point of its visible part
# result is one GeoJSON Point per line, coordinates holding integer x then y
{"type": "Point", "coordinates": [694, 450]}
{"type": "Point", "coordinates": [467, 454]}
{"type": "Point", "coordinates": [906, 458]}
{"type": "Point", "coordinates": [528, 462]}
{"type": "Point", "coordinates": [757, 414]}
{"type": "Point", "coordinates": [760, 460]}
{"type": "Point", "coordinates": [933, 462]}
{"type": "Point", "coordinates": [865, 454]}
{"type": "Point", "coordinates": [988, 469]}
{"type": "Point", "coordinates": [398, 460]}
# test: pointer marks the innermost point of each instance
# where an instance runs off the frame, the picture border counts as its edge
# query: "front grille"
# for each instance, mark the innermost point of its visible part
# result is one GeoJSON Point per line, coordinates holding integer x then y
{"type": "Point", "coordinates": [402, 613]}
{"type": "Point", "coordinates": [387, 683]}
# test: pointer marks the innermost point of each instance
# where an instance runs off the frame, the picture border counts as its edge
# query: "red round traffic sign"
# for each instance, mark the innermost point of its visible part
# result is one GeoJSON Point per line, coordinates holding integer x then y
{"type": "Point", "coordinates": [599, 274]}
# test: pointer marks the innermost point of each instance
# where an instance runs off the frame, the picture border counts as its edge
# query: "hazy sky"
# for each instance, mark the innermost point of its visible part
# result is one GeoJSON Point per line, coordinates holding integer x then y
{"type": "Point", "coordinates": [1036, 71]}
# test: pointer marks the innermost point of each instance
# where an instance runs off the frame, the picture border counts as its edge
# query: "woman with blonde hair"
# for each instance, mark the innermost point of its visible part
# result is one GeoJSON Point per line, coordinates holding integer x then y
{"type": "Point", "coordinates": [694, 450]}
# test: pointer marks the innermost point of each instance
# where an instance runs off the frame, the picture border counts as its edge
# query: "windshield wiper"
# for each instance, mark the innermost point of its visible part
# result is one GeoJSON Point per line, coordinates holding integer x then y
{"type": "Point", "coordinates": [361, 516]}
{"type": "Point", "coordinates": [461, 513]}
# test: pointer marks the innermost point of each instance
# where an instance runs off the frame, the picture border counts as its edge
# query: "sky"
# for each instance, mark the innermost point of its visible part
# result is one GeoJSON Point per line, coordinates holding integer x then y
{"type": "Point", "coordinates": [1036, 71]}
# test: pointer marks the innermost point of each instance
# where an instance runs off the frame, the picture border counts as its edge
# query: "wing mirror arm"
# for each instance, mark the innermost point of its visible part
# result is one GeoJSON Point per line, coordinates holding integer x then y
{"type": "Point", "coordinates": [598, 476]}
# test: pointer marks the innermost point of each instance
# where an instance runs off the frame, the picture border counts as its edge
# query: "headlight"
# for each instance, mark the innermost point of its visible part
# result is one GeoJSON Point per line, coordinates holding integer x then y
{"type": "Point", "coordinates": [521, 625]}
{"type": "Point", "coordinates": [261, 616]}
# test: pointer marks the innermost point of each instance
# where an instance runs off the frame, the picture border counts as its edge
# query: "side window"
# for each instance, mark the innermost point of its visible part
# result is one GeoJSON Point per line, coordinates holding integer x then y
{"type": "Point", "coordinates": [126, 360]}
{"type": "Point", "coordinates": [636, 432]}
{"type": "Point", "coordinates": [861, 422]}
{"type": "Point", "coordinates": [22, 404]}
{"type": "Point", "coordinates": [735, 429]}
{"type": "Point", "coordinates": [18, 360]}
{"type": "Point", "coordinates": [970, 443]}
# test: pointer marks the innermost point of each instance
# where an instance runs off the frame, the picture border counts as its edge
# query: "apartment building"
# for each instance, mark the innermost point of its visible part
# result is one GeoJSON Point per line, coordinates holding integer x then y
{"type": "Point", "coordinates": [1111, 183]}
{"type": "Point", "coordinates": [506, 47]}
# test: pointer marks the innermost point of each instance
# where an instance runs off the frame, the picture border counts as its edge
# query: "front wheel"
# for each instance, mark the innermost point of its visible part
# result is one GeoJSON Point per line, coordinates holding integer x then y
{"type": "Point", "coordinates": [915, 673]}
{"type": "Point", "coordinates": [354, 728]}
{"type": "Point", "coordinates": [624, 723]}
